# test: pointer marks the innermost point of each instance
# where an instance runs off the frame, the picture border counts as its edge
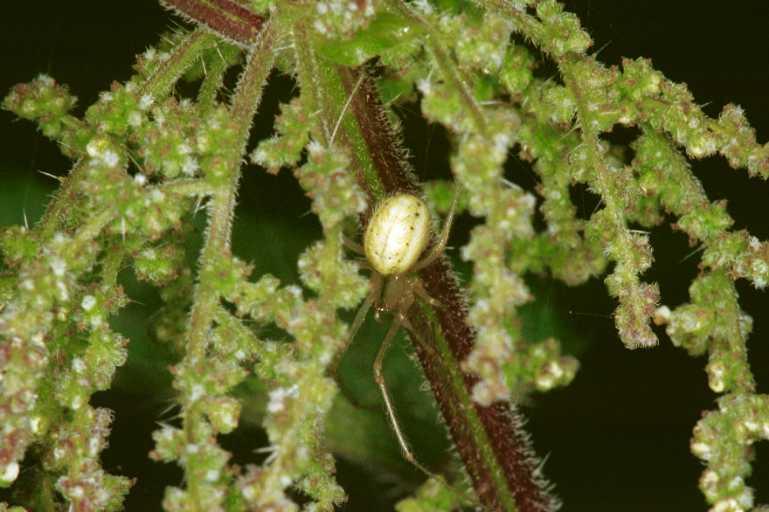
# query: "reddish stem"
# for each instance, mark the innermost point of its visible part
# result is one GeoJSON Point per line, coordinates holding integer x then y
{"type": "Point", "coordinates": [226, 18]}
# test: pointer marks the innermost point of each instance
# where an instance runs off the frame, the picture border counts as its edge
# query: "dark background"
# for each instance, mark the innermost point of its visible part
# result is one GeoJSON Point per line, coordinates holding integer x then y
{"type": "Point", "coordinates": [618, 438]}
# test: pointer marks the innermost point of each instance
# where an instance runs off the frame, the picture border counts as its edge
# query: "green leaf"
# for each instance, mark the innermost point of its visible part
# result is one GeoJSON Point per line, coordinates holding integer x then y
{"type": "Point", "coordinates": [387, 33]}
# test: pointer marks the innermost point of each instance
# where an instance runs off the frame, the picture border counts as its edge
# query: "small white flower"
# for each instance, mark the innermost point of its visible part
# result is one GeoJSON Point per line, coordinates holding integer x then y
{"type": "Point", "coordinates": [58, 266]}
{"type": "Point", "coordinates": [110, 158]}
{"type": "Point", "coordinates": [78, 365]}
{"type": "Point", "coordinates": [197, 392]}
{"type": "Point", "coordinates": [146, 101]}
{"type": "Point", "coordinates": [9, 473]}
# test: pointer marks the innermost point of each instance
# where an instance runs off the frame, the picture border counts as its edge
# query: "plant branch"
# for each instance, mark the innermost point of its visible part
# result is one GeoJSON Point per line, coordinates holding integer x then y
{"type": "Point", "coordinates": [163, 79]}
{"type": "Point", "coordinates": [214, 78]}
{"type": "Point", "coordinates": [447, 66]}
{"type": "Point", "coordinates": [187, 187]}
{"type": "Point", "coordinates": [221, 208]}
{"type": "Point", "coordinates": [159, 85]}
{"type": "Point", "coordinates": [226, 18]}
{"type": "Point", "coordinates": [637, 300]}
{"type": "Point", "coordinates": [217, 244]}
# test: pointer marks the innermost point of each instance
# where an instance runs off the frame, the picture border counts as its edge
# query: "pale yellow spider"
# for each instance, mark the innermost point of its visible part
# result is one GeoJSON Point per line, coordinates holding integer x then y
{"type": "Point", "coordinates": [395, 239]}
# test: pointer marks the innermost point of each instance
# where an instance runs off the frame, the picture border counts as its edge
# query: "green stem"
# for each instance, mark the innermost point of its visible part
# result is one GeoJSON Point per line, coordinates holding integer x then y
{"type": "Point", "coordinates": [324, 88]}
{"type": "Point", "coordinates": [308, 73]}
{"type": "Point", "coordinates": [212, 82]}
{"type": "Point", "coordinates": [187, 187]}
{"type": "Point", "coordinates": [445, 63]}
{"type": "Point", "coordinates": [184, 56]}
{"type": "Point", "coordinates": [448, 376]}
{"type": "Point", "coordinates": [94, 227]}
{"type": "Point", "coordinates": [222, 206]}
{"type": "Point", "coordinates": [220, 219]}
{"type": "Point", "coordinates": [59, 209]}
{"type": "Point", "coordinates": [60, 205]}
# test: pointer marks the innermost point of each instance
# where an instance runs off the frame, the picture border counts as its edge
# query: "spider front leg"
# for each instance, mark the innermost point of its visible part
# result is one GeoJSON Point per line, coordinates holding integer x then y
{"type": "Point", "coordinates": [373, 296]}
{"type": "Point", "coordinates": [353, 246]}
{"type": "Point", "coordinates": [437, 250]}
{"type": "Point", "coordinates": [419, 291]}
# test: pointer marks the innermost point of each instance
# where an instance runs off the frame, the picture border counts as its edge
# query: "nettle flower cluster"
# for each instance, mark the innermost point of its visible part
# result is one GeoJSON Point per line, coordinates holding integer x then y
{"type": "Point", "coordinates": [146, 160]}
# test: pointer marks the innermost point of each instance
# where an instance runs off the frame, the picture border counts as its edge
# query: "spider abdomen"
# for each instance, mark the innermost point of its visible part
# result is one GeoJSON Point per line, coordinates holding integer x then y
{"type": "Point", "coordinates": [397, 234]}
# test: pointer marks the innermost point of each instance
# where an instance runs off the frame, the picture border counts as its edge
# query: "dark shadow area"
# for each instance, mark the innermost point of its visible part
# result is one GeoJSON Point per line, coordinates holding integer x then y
{"type": "Point", "coordinates": [585, 200]}
{"type": "Point", "coordinates": [676, 264]}
{"type": "Point", "coordinates": [620, 138]}
{"type": "Point", "coordinates": [130, 442]}
{"type": "Point", "coordinates": [760, 472]}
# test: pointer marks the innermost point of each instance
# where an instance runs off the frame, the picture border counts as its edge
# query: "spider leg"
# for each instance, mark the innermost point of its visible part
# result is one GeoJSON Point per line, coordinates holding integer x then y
{"type": "Point", "coordinates": [353, 246]}
{"type": "Point", "coordinates": [440, 245]}
{"type": "Point", "coordinates": [360, 316]}
{"type": "Point", "coordinates": [416, 337]}
{"type": "Point", "coordinates": [419, 291]}
{"type": "Point", "coordinates": [379, 377]}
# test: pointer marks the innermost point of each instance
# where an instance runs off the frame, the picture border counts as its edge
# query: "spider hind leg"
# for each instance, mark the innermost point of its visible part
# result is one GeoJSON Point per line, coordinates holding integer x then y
{"type": "Point", "coordinates": [380, 381]}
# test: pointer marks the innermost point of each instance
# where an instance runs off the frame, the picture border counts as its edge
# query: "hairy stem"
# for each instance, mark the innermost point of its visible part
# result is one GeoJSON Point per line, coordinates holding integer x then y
{"type": "Point", "coordinates": [212, 82]}
{"type": "Point", "coordinates": [220, 217]}
{"type": "Point", "coordinates": [227, 18]}
{"type": "Point", "coordinates": [160, 83]}
{"type": "Point", "coordinates": [446, 65]}
{"type": "Point", "coordinates": [327, 88]}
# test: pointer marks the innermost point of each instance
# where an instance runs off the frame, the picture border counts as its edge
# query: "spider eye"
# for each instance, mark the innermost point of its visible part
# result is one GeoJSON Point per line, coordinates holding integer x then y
{"type": "Point", "coordinates": [397, 234]}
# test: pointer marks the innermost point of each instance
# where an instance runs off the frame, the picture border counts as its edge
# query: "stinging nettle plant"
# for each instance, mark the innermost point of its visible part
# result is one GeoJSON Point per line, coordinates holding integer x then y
{"type": "Point", "coordinates": [147, 158]}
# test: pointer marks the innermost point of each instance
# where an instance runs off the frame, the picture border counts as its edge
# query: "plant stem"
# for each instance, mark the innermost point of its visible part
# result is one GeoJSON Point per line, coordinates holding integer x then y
{"type": "Point", "coordinates": [222, 206]}
{"type": "Point", "coordinates": [445, 64]}
{"type": "Point", "coordinates": [59, 205]}
{"type": "Point", "coordinates": [220, 218]}
{"type": "Point", "coordinates": [212, 82]}
{"type": "Point", "coordinates": [187, 187]}
{"type": "Point", "coordinates": [163, 79]}
{"type": "Point", "coordinates": [227, 18]}
{"type": "Point", "coordinates": [327, 87]}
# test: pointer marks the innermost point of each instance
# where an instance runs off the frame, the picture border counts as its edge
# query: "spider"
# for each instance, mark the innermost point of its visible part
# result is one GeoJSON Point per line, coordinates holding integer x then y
{"type": "Point", "coordinates": [394, 245]}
